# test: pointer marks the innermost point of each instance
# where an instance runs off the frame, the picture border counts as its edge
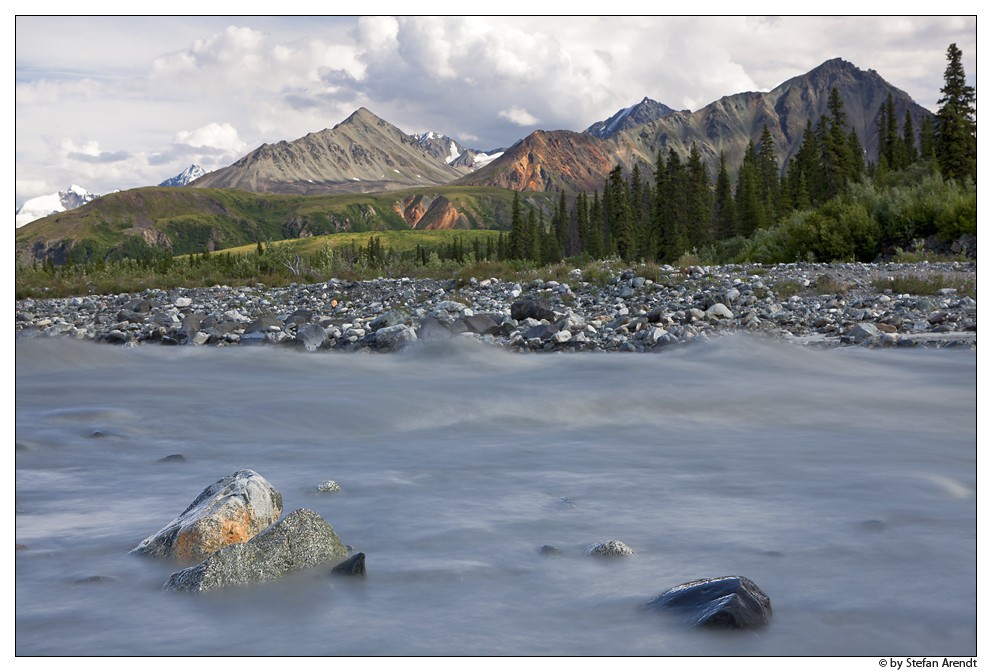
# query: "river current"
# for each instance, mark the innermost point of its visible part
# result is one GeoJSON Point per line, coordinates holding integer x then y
{"type": "Point", "coordinates": [841, 482]}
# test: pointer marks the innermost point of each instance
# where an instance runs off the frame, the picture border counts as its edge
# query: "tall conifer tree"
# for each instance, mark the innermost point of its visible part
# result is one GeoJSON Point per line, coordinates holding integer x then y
{"type": "Point", "coordinates": [956, 128]}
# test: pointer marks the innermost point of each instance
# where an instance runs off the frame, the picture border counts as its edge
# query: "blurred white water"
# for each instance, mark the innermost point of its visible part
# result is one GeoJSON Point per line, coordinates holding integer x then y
{"type": "Point", "coordinates": [841, 482]}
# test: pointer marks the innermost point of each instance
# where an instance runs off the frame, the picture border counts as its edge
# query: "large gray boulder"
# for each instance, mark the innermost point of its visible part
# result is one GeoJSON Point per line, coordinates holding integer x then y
{"type": "Point", "coordinates": [394, 337]}
{"type": "Point", "coordinates": [299, 541]}
{"type": "Point", "coordinates": [863, 331]}
{"type": "Point", "coordinates": [311, 337]}
{"type": "Point", "coordinates": [725, 602]}
{"type": "Point", "coordinates": [389, 319]}
{"type": "Point", "coordinates": [230, 511]}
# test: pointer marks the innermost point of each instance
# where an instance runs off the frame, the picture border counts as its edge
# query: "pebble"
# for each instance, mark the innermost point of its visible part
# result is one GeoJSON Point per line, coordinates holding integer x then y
{"type": "Point", "coordinates": [628, 313]}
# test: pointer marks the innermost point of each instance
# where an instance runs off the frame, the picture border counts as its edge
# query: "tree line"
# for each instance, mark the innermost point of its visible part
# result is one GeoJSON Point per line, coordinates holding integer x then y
{"type": "Point", "coordinates": [680, 208]}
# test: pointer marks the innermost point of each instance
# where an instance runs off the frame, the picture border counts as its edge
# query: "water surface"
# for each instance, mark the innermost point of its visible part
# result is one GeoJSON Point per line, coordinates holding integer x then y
{"type": "Point", "coordinates": [842, 482]}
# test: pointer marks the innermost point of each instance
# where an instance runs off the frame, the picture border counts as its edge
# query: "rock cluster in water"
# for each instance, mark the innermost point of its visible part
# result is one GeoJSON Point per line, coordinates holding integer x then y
{"type": "Point", "coordinates": [303, 540]}
{"type": "Point", "coordinates": [627, 312]}
{"type": "Point", "coordinates": [232, 529]}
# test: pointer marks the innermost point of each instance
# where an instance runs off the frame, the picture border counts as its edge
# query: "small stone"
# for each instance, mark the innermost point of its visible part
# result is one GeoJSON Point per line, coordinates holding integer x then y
{"type": "Point", "coordinates": [611, 548]}
{"type": "Point", "coordinates": [326, 486]}
{"type": "Point", "coordinates": [720, 311]}
{"type": "Point", "coordinates": [862, 332]}
{"type": "Point", "coordinates": [175, 457]}
{"type": "Point", "coordinates": [549, 550]}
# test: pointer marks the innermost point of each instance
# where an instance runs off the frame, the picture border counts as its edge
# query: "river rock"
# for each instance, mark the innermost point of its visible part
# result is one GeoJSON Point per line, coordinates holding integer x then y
{"type": "Point", "coordinates": [389, 319]}
{"type": "Point", "coordinates": [611, 548]}
{"type": "Point", "coordinates": [263, 323]}
{"type": "Point", "coordinates": [353, 566]}
{"type": "Point", "coordinates": [539, 309]}
{"type": "Point", "coordinates": [395, 336]}
{"type": "Point", "coordinates": [230, 511]}
{"type": "Point", "coordinates": [326, 486]}
{"type": "Point", "coordinates": [481, 324]}
{"type": "Point", "coordinates": [311, 337]}
{"type": "Point", "coordinates": [863, 331]}
{"type": "Point", "coordinates": [299, 541]}
{"type": "Point", "coordinates": [542, 331]}
{"type": "Point", "coordinates": [432, 330]}
{"type": "Point", "coordinates": [725, 602]}
{"type": "Point", "coordinates": [719, 311]}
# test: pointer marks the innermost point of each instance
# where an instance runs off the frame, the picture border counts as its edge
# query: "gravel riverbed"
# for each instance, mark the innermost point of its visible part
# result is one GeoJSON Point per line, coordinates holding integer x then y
{"type": "Point", "coordinates": [823, 305]}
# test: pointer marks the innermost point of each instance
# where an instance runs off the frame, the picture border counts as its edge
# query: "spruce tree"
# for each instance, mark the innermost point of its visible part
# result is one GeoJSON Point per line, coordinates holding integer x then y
{"type": "Point", "coordinates": [677, 222]}
{"type": "Point", "coordinates": [517, 242]}
{"type": "Point", "coordinates": [928, 151]}
{"type": "Point", "coordinates": [725, 216]}
{"type": "Point", "coordinates": [956, 131]}
{"type": "Point", "coordinates": [910, 154]}
{"type": "Point", "coordinates": [750, 208]}
{"type": "Point", "coordinates": [699, 202]}
{"type": "Point", "coordinates": [596, 246]}
{"type": "Point", "coordinates": [533, 240]}
{"type": "Point", "coordinates": [561, 225]}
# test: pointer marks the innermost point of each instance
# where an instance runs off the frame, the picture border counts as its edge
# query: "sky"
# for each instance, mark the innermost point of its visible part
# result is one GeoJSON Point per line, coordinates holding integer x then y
{"type": "Point", "coordinates": [114, 102]}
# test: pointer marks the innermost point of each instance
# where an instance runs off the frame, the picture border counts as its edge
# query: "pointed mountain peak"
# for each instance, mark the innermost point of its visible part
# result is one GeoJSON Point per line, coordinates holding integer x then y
{"type": "Point", "coordinates": [640, 113]}
{"type": "Point", "coordinates": [361, 115]}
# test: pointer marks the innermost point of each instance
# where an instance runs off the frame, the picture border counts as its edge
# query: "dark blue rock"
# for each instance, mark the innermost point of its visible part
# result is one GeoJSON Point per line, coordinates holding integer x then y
{"type": "Point", "coordinates": [725, 602]}
{"type": "Point", "coordinates": [353, 566]}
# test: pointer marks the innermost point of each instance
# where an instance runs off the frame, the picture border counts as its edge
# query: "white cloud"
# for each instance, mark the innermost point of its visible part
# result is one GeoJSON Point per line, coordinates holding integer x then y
{"type": "Point", "coordinates": [518, 116]}
{"type": "Point", "coordinates": [147, 90]}
{"type": "Point", "coordinates": [213, 135]}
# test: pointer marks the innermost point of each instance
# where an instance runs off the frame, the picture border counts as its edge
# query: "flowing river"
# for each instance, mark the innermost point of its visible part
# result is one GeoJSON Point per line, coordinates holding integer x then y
{"type": "Point", "coordinates": [842, 482]}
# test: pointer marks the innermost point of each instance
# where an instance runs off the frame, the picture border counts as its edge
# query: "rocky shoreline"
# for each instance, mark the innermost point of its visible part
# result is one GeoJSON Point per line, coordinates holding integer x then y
{"type": "Point", "coordinates": [825, 305]}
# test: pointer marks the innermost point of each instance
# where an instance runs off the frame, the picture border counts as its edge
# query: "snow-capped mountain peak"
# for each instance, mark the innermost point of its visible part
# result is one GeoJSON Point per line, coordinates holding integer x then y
{"type": "Point", "coordinates": [185, 177]}
{"type": "Point", "coordinates": [42, 206]}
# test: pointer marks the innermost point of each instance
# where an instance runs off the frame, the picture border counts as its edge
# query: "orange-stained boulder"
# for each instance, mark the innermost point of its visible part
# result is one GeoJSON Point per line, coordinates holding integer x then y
{"type": "Point", "coordinates": [231, 511]}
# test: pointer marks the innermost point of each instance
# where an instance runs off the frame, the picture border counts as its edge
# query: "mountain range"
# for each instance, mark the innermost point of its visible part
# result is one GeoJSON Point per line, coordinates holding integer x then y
{"type": "Point", "coordinates": [365, 154]}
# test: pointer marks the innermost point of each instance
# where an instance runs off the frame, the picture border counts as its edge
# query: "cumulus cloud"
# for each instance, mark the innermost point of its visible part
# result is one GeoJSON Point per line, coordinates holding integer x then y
{"type": "Point", "coordinates": [518, 116]}
{"type": "Point", "coordinates": [480, 80]}
{"type": "Point", "coordinates": [213, 136]}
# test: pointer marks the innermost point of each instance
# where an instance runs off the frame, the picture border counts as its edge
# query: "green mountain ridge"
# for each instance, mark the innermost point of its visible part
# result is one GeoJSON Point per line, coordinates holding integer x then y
{"type": "Point", "coordinates": [185, 220]}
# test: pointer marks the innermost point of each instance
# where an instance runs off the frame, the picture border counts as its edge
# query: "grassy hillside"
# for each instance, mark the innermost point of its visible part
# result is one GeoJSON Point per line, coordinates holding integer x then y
{"type": "Point", "coordinates": [185, 220]}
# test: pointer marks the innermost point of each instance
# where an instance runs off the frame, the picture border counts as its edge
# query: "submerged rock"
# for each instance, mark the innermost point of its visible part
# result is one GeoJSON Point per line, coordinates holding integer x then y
{"type": "Point", "coordinates": [230, 511]}
{"type": "Point", "coordinates": [299, 541]}
{"type": "Point", "coordinates": [353, 566]}
{"type": "Point", "coordinates": [611, 548]}
{"type": "Point", "coordinates": [725, 602]}
{"type": "Point", "coordinates": [326, 486]}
